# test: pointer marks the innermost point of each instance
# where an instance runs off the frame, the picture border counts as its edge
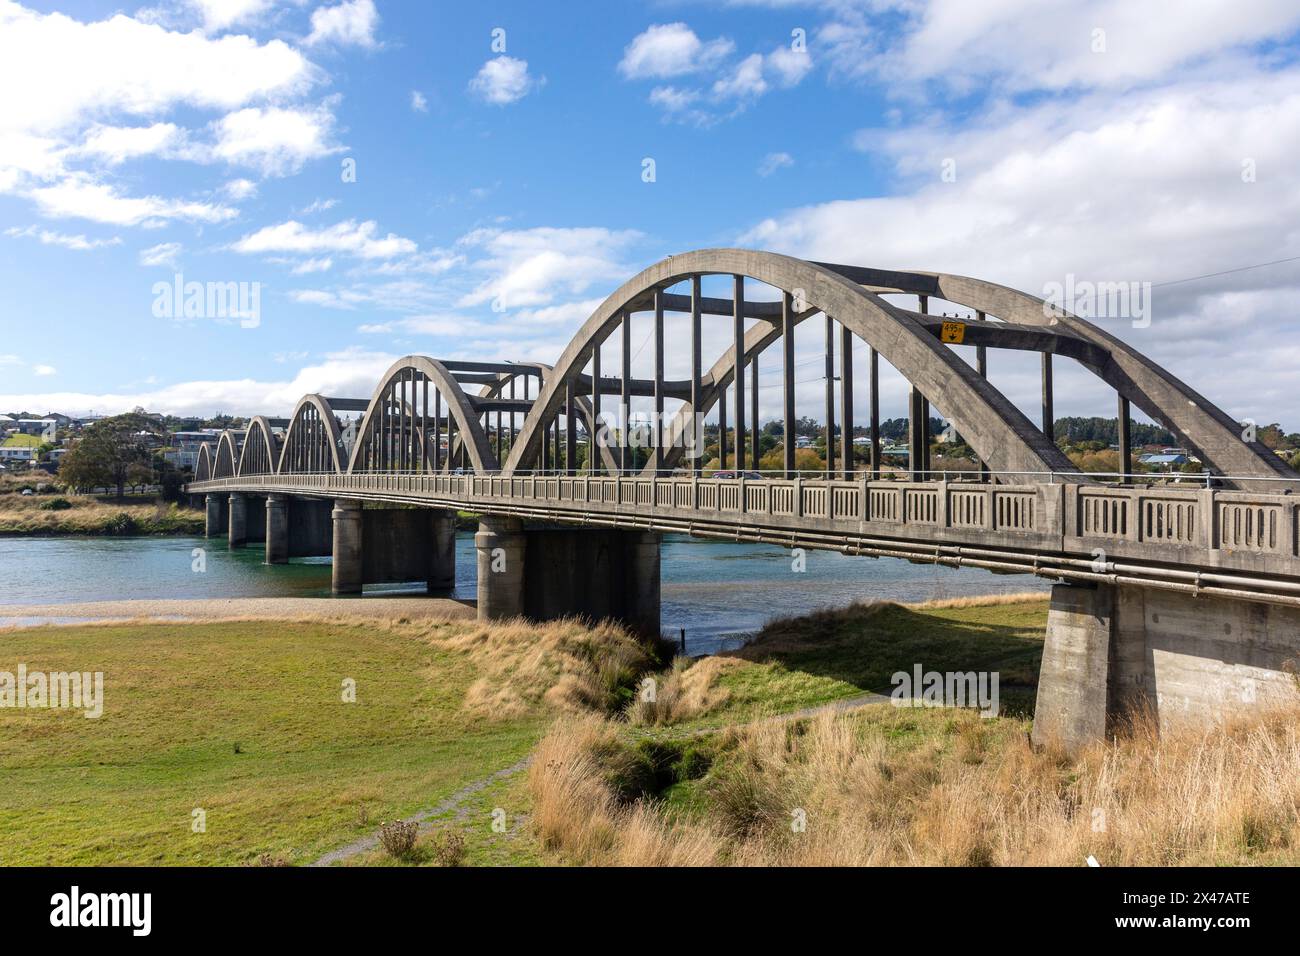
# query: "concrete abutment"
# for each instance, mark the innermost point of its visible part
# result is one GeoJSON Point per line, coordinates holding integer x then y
{"type": "Point", "coordinates": [1112, 651]}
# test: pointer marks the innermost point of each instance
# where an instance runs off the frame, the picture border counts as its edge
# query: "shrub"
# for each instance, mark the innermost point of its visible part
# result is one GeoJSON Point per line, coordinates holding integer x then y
{"type": "Point", "coordinates": [56, 504]}
{"type": "Point", "coordinates": [398, 838]}
{"type": "Point", "coordinates": [120, 524]}
{"type": "Point", "coordinates": [448, 847]}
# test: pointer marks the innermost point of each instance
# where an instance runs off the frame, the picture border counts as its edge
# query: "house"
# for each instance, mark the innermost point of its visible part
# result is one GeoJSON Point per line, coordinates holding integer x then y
{"type": "Point", "coordinates": [1167, 462]}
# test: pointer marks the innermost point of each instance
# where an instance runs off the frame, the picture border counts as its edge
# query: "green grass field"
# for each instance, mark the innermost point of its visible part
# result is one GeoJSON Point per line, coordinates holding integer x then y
{"type": "Point", "coordinates": [245, 721]}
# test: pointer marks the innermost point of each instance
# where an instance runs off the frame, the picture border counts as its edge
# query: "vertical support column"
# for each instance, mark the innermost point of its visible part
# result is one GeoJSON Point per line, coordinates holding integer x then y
{"type": "Point", "coordinates": [830, 398]}
{"type": "Point", "coordinates": [237, 534]}
{"type": "Point", "coordinates": [924, 462]}
{"type": "Point", "coordinates": [1048, 419]}
{"type": "Point", "coordinates": [442, 558]}
{"type": "Point", "coordinates": [571, 429]}
{"type": "Point", "coordinates": [1073, 678]}
{"type": "Point", "coordinates": [346, 575]}
{"type": "Point", "coordinates": [916, 433]}
{"type": "Point", "coordinates": [982, 367]}
{"type": "Point", "coordinates": [657, 429]}
{"type": "Point", "coordinates": [626, 412]}
{"type": "Point", "coordinates": [277, 529]}
{"type": "Point", "coordinates": [596, 436]}
{"type": "Point", "coordinates": [500, 543]}
{"type": "Point", "coordinates": [697, 424]}
{"type": "Point", "coordinates": [738, 327]}
{"type": "Point", "coordinates": [1125, 439]}
{"type": "Point", "coordinates": [846, 401]}
{"type": "Point", "coordinates": [755, 444]}
{"type": "Point", "coordinates": [722, 428]}
{"type": "Point", "coordinates": [787, 377]}
{"type": "Point", "coordinates": [212, 516]}
{"type": "Point", "coordinates": [875, 414]}
{"type": "Point", "coordinates": [437, 428]}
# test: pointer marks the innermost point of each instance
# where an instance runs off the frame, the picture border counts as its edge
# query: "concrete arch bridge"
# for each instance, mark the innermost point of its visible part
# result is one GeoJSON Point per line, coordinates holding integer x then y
{"type": "Point", "coordinates": [1183, 596]}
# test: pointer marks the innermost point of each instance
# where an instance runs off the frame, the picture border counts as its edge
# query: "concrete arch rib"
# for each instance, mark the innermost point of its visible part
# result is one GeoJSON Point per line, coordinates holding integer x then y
{"type": "Point", "coordinates": [302, 432]}
{"type": "Point", "coordinates": [583, 403]}
{"type": "Point", "coordinates": [1000, 434]}
{"type": "Point", "coordinates": [1198, 422]}
{"type": "Point", "coordinates": [261, 452]}
{"type": "Point", "coordinates": [457, 405]}
{"type": "Point", "coordinates": [227, 456]}
{"type": "Point", "coordinates": [203, 463]}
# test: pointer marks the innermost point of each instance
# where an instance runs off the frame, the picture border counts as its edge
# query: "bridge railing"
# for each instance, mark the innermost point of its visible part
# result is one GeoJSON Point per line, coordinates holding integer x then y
{"type": "Point", "coordinates": [1248, 531]}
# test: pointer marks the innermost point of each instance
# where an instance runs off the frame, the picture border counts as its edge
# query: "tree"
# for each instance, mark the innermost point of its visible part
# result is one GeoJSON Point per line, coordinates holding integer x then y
{"type": "Point", "coordinates": [107, 450]}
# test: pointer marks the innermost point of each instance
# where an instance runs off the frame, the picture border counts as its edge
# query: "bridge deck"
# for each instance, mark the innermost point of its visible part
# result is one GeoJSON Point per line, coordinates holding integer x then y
{"type": "Point", "coordinates": [1203, 541]}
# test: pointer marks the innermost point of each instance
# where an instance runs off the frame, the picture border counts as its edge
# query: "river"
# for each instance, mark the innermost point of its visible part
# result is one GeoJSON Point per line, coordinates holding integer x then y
{"type": "Point", "coordinates": [717, 591]}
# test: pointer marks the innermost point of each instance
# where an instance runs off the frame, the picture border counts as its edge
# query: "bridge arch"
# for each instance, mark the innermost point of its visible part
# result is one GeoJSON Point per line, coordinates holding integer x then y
{"type": "Point", "coordinates": [203, 462]}
{"type": "Point", "coordinates": [1197, 422]}
{"type": "Point", "coordinates": [261, 452]}
{"type": "Point", "coordinates": [227, 455]}
{"type": "Point", "coordinates": [999, 433]}
{"type": "Point", "coordinates": [313, 441]}
{"type": "Point", "coordinates": [395, 430]}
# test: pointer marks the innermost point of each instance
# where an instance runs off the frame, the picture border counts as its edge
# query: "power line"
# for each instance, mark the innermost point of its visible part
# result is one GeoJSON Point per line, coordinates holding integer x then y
{"type": "Point", "coordinates": [1226, 272]}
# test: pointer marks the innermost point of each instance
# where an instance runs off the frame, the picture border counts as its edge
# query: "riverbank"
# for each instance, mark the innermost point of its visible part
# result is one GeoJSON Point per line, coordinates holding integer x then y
{"type": "Point", "coordinates": [541, 744]}
{"type": "Point", "coordinates": [371, 608]}
{"type": "Point", "coordinates": [49, 515]}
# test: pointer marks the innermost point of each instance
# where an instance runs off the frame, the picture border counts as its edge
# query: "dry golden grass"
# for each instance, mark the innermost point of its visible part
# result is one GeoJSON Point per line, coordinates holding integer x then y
{"type": "Point", "coordinates": [87, 514]}
{"type": "Point", "coordinates": [570, 665]}
{"type": "Point", "coordinates": [887, 787]}
{"type": "Point", "coordinates": [688, 690]}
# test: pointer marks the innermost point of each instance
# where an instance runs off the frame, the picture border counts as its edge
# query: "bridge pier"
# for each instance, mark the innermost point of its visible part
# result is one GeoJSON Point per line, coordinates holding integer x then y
{"type": "Point", "coordinates": [296, 528]}
{"type": "Point", "coordinates": [237, 532]}
{"type": "Point", "coordinates": [215, 519]}
{"type": "Point", "coordinates": [549, 573]}
{"type": "Point", "coordinates": [1112, 651]}
{"type": "Point", "coordinates": [277, 529]}
{"type": "Point", "coordinates": [501, 545]}
{"type": "Point", "coordinates": [392, 546]}
{"type": "Point", "coordinates": [346, 575]}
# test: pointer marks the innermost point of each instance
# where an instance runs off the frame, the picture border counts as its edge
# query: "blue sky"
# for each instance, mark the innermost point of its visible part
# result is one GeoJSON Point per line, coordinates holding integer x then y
{"type": "Point", "coordinates": [210, 137]}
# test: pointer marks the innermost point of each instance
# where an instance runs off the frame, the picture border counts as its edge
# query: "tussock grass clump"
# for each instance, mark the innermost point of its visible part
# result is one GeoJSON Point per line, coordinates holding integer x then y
{"type": "Point", "coordinates": [447, 847]}
{"type": "Point", "coordinates": [570, 665]}
{"type": "Point", "coordinates": [688, 690]}
{"type": "Point", "coordinates": [883, 786]}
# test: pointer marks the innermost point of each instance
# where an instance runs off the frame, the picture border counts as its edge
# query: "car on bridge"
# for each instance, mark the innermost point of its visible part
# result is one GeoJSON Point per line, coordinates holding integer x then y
{"type": "Point", "coordinates": [733, 475]}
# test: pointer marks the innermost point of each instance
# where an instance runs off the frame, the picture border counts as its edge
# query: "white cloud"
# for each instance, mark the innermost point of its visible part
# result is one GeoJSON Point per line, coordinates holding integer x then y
{"type": "Point", "coordinates": [531, 267]}
{"type": "Point", "coordinates": [671, 49]}
{"type": "Point", "coordinates": [774, 161]}
{"type": "Point", "coordinates": [81, 197]}
{"type": "Point", "coordinates": [744, 81]}
{"type": "Point", "coordinates": [418, 102]}
{"type": "Point", "coordinates": [351, 23]}
{"type": "Point", "coordinates": [50, 238]}
{"type": "Point", "coordinates": [238, 189]}
{"type": "Point", "coordinates": [116, 144]}
{"type": "Point", "coordinates": [274, 140]}
{"type": "Point", "coordinates": [351, 372]}
{"type": "Point", "coordinates": [319, 205]}
{"type": "Point", "coordinates": [163, 254]}
{"type": "Point", "coordinates": [222, 14]}
{"type": "Point", "coordinates": [1031, 45]}
{"type": "Point", "coordinates": [313, 265]}
{"type": "Point", "coordinates": [349, 237]}
{"type": "Point", "coordinates": [70, 71]}
{"type": "Point", "coordinates": [504, 80]}
{"type": "Point", "coordinates": [44, 370]}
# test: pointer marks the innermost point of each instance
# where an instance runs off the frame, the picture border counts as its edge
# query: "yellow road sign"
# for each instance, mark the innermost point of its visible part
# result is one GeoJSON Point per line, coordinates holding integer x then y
{"type": "Point", "coordinates": [953, 332]}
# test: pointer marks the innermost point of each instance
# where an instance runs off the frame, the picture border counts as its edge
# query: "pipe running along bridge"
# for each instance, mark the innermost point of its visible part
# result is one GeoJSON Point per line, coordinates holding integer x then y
{"type": "Point", "coordinates": [1180, 597]}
